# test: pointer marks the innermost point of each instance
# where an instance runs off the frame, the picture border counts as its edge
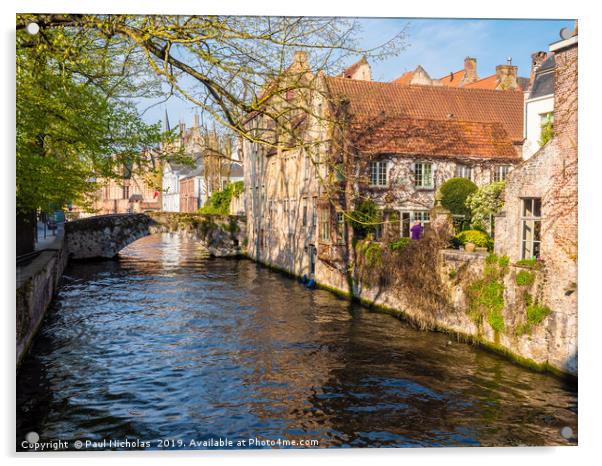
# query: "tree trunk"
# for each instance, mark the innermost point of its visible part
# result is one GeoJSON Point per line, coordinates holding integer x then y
{"type": "Point", "coordinates": [26, 231]}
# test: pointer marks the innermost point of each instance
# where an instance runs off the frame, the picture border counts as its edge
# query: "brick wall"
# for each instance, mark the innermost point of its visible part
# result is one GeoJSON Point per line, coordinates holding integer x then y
{"type": "Point", "coordinates": [551, 174]}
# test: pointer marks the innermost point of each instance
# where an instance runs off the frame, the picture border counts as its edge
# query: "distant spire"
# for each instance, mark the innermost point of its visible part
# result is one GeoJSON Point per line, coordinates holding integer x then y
{"type": "Point", "coordinates": [166, 126]}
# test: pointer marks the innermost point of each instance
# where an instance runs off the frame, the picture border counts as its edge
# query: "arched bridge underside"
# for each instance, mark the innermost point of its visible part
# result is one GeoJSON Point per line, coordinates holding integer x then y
{"type": "Point", "coordinates": [104, 236]}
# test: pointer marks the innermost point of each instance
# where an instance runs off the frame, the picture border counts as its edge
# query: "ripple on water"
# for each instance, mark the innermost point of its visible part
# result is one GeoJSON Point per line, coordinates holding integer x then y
{"type": "Point", "coordinates": [169, 342]}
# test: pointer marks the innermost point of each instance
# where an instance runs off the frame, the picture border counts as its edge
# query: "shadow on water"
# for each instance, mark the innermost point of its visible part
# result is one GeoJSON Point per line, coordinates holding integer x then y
{"type": "Point", "coordinates": [168, 343]}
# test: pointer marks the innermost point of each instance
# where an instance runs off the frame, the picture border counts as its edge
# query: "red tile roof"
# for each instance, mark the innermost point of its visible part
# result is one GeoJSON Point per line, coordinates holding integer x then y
{"type": "Point", "coordinates": [453, 79]}
{"type": "Point", "coordinates": [490, 82]}
{"type": "Point", "coordinates": [373, 99]}
{"type": "Point", "coordinates": [348, 72]}
{"type": "Point", "coordinates": [404, 78]}
{"type": "Point", "coordinates": [451, 138]}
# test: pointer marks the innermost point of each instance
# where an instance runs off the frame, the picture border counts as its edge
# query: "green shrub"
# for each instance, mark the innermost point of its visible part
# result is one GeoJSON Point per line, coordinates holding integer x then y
{"type": "Point", "coordinates": [370, 251]}
{"type": "Point", "coordinates": [219, 202]}
{"type": "Point", "coordinates": [496, 320]}
{"type": "Point", "coordinates": [454, 193]}
{"type": "Point", "coordinates": [400, 244]}
{"type": "Point", "coordinates": [486, 297]}
{"type": "Point", "coordinates": [531, 263]}
{"type": "Point", "coordinates": [453, 274]}
{"type": "Point", "coordinates": [536, 313]}
{"type": "Point", "coordinates": [524, 278]}
{"type": "Point", "coordinates": [485, 203]}
{"type": "Point", "coordinates": [478, 238]}
{"type": "Point", "coordinates": [547, 133]}
{"type": "Point", "coordinates": [365, 218]}
{"type": "Point", "coordinates": [503, 261]}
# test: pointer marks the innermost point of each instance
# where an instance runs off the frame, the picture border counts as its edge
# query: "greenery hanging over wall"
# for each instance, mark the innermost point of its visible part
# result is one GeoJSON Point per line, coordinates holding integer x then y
{"type": "Point", "coordinates": [366, 218]}
{"type": "Point", "coordinates": [486, 294]}
{"type": "Point", "coordinates": [219, 202]}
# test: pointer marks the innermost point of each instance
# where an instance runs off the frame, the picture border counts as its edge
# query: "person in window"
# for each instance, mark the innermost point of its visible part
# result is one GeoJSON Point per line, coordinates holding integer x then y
{"type": "Point", "coordinates": [416, 230]}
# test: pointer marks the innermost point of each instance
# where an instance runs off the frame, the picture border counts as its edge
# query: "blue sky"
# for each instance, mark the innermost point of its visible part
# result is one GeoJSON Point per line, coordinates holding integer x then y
{"type": "Point", "coordinates": [439, 45]}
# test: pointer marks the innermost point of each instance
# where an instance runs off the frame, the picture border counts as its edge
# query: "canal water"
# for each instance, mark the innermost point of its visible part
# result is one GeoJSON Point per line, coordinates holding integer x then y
{"type": "Point", "coordinates": [171, 347]}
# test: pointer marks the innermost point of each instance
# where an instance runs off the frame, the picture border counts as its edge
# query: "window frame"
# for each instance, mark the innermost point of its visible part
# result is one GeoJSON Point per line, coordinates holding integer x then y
{"type": "Point", "coordinates": [496, 172]}
{"type": "Point", "coordinates": [324, 226]}
{"type": "Point", "coordinates": [534, 222]}
{"type": "Point", "coordinates": [461, 170]}
{"type": "Point", "coordinates": [379, 173]}
{"type": "Point", "coordinates": [419, 173]}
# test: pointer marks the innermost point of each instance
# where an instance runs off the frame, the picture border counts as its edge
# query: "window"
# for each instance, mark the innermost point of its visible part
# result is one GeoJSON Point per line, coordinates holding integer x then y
{"type": "Point", "coordinates": [340, 227]}
{"type": "Point", "coordinates": [546, 125]}
{"type": "Point", "coordinates": [500, 172]}
{"type": "Point", "coordinates": [424, 175]}
{"type": "Point", "coordinates": [307, 166]}
{"type": "Point", "coordinates": [531, 227]}
{"type": "Point", "coordinates": [378, 173]}
{"type": "Point", "coordinates": [126, 192]}
{"type": "Point", "coordinates": [463, 171]}
{"type": "Point", "coordinates": [546, 119]}
{"type": "Point", "coordinates": [409, 217]}
{"type": "Point", "coordinates": [325, 225]}
{"type": "Point", "coordinates": [304, 213]}
{"type": "Point", "coordinates": [314, 219]}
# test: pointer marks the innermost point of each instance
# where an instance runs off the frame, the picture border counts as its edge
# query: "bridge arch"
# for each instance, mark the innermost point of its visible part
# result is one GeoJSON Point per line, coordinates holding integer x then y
{"type": "Point", "coordinates": [103, 236]}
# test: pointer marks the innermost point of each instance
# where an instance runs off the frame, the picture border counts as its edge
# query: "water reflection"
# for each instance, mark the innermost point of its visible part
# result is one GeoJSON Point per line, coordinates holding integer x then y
{"type": "Point", "coordinates": [168, 343]}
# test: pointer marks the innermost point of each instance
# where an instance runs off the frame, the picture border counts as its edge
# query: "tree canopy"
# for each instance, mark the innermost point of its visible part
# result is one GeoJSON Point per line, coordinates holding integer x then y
{"type": "Point", "coordinates": [75, 117]}
{"type": "Point", "coordinates": [78, 80]}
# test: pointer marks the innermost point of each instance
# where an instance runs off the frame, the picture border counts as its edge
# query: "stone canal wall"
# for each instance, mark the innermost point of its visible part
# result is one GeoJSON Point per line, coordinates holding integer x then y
{"type": "Point", "coordinates": [36, 284]}
{"type": "Point", "coordinates": [478, 297]}
{"type": "Point", "coordinates": [482, 298]}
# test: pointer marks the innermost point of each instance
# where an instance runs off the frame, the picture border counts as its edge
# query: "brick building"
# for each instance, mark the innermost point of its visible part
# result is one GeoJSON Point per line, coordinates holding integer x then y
{"type": "Point", "coordinates": [540, 212]}
{"type": "Point", "coordinates": [397, 142]}
{"type": "Point", "coordinates": [215, 164]}
{"type": "Point", "coordinates": [137, 190]}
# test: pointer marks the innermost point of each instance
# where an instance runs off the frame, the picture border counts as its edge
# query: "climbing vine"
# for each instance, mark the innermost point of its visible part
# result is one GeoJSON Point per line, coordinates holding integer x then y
{"type": "Point", "coordinates": [486, 294]}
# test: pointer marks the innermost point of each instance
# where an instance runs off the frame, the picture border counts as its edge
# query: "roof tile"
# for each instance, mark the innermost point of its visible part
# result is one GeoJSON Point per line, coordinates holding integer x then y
{"type": "Point", "coordinates": [371, 99]}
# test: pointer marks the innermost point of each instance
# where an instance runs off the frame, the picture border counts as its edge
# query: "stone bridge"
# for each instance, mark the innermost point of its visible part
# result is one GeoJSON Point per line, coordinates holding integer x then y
{"type": "Point", "coordinates": [104, 236]}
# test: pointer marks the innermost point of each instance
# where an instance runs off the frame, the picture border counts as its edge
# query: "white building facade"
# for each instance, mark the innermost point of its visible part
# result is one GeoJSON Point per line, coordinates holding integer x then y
{"type": "Point", "coordinates": [539, 103]}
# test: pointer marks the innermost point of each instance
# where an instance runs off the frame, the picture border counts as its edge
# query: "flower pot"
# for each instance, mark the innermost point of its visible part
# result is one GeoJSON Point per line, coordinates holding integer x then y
{"type": "Point", "coordinates": [469, 247]}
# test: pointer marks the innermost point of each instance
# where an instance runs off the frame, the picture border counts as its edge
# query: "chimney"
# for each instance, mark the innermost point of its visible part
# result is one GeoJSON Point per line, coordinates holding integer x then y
{"type": "Point", "coordinates": [506, 77]}
{"type": "Point", "coordinates": [537, 59]}
{"type": "Point", "coordinates": [470, 71]}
